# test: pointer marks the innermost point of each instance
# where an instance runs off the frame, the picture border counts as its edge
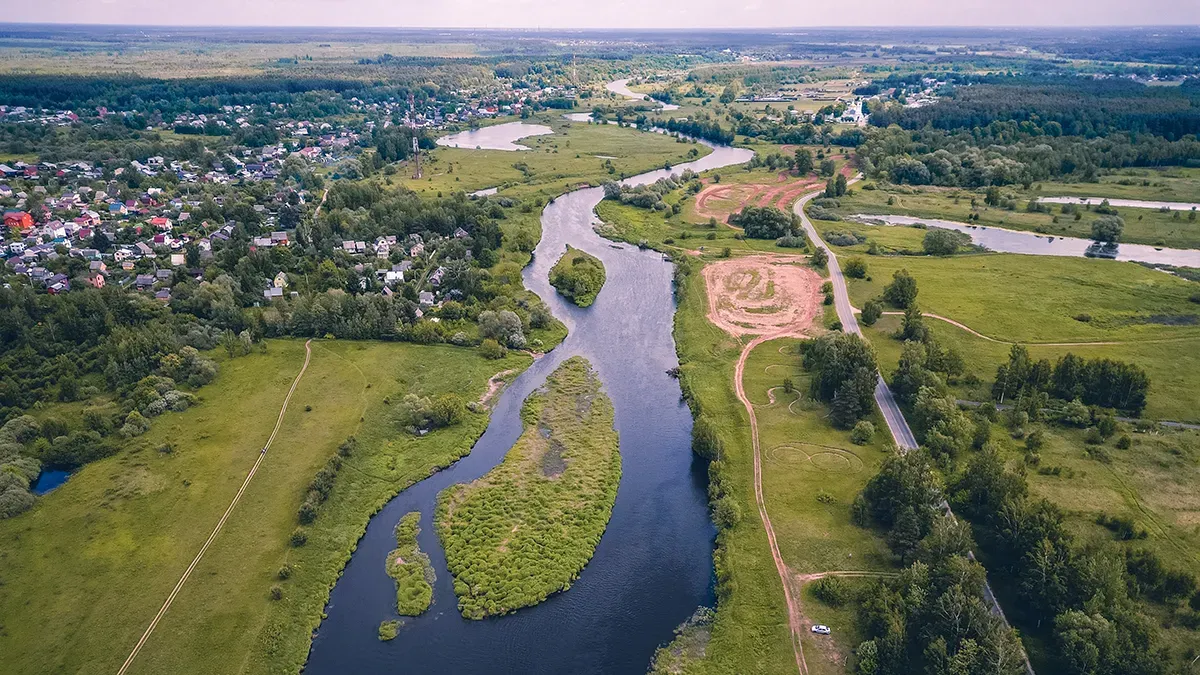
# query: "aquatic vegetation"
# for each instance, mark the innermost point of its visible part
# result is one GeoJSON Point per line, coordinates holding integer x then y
{"type": "Point", "coordinates": [527, 529]}
{"type": "Point", "coordinates": [411, 569]}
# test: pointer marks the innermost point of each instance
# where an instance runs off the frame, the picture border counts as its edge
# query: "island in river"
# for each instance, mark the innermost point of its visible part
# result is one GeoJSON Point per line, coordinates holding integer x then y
{"type": "Point", "coordinates": [527, 529]}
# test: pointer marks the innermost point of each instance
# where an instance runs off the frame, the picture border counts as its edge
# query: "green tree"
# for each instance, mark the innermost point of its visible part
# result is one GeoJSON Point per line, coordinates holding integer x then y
{"type": "Point", "coordinates": [902, 292]}
{"type": "Point", "coordinates": [1107, 229]}
{"type": "Point", "coordinates": [804, 161]}
{"type": "Point", "coordinates": [871, 311]}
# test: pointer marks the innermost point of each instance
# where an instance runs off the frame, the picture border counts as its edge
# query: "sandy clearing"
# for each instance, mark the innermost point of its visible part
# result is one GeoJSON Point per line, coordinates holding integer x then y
{"type": "Point", "coordinates": [762, 294]}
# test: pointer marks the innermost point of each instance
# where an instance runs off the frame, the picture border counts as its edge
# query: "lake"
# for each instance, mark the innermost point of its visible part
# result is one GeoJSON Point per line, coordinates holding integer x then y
{"type": "Point", "coordinates": [496, 137]}
{"type": "Point", "coordinates": [652, 567]}
{"type": "Point", "coordinates": [1030, 243]}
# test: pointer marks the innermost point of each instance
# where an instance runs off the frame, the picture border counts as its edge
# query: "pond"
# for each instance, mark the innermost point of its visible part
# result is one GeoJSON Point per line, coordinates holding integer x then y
{"type": "Point", "coordinates": [48, 480]}
{"type": "Point", "coordinates": [1030, 243]}
{"type": "Point", "coordinates": [652, 567]}
{"type": "Point", "coordinates": [497, 137]}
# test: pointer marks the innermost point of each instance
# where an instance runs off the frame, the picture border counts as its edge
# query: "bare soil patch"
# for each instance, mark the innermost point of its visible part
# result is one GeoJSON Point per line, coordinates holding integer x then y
{"type": "Point", "coordinates": [761, 294]}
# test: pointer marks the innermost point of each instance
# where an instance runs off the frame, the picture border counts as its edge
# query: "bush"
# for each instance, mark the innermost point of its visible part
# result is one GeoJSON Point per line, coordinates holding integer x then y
{"type": "Point", "coordinates": [820, 258]}
{"type": "Point", "coordinates": [792, 241]}
{"type": "Point", "coordinates": [902, 292]}
{"type": "Point", "coordinates": [863, 432]}
{"type": "Point", "coordinates": [388, 630]}
{"type": "Point", "coordinates": [285, 572]}
{"type": "Point", "coordinates": [491, 349]}
{"type": "Point", "coordinates": [871, 312]}
{"type": "Point", "coordinates": [705, 441]}
{"type": "Point", "coordinates": [831, 590]}
{"type": "Point", "coordinates": [855, 268]}
{"type": "Point", "coordinates": [1124, 442]}
{"type": "Point", "coordinates": [299, 537]}
{"type": "Point", "coordinates": [940, 241]}
{"type": "Point", "coordinates": [276, 592]}
{"type": "Point", "coordinates": [765, 222]}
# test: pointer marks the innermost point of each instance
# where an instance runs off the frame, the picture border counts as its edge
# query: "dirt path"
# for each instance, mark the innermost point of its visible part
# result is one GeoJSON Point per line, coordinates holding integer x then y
{"type": "Point", "coordinates": [734, 286]}
{"type": "Point", "coordinates": [221, 523]}
{"type": "Point", "coordinates": [981, 336]}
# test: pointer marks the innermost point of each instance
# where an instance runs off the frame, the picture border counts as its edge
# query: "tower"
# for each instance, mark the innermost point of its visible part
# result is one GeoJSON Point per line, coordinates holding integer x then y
{"type": "Point", "coordinates": [416, 154]}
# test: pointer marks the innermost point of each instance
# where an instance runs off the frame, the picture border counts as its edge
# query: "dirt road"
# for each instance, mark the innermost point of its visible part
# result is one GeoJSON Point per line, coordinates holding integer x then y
{"type": "Point", "coordinates": [221, 523]}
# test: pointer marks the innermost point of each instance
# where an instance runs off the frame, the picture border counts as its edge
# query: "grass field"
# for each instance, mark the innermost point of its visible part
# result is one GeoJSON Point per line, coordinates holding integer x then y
{"type": "Point", "coordinates": [1029, 299]}
{"type": "Point", "coordinates": [527, 529]}
{"type": "Point", "coordinates": [1142, 226]}
{"type": "Point", "coordinates": [96, 558]}
{"type": "Point", "coordinates": [811, 474]}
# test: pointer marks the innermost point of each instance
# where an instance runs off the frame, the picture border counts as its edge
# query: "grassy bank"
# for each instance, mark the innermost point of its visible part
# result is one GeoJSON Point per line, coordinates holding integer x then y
{"type": "Point", "coordinates": [578, 276]}
{"type": "Point", "coordinates": [411, 569]}
{"type": "Point", "coordinates": [97, 557]}
{"type": "Point", "coordinates": [526, 529]}
{"type": "Point", "coordinates": [811, 474]}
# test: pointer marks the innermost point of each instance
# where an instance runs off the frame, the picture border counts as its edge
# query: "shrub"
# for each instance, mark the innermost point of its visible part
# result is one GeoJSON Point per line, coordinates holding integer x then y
{"type": "Point", "coordinates": [820, 258]}
{"type": "Point", "coordinates": [299, 537]}
{"type": "Point", "coordinates": [1124, 442]}
{"type": "Point", "coordinates": [491, 349]}
{"type": "Point", "coordinates": [831, 590]}
{"type": "Point", "coordinates": [705, 441]}
{"type": "Point", "coordinates": [388, 630]}
{"type": "Point", "coordinates": [862, 433]}
{"type": "Point", "coordinates": [791, 241]}
{"type": "Point", "coordinates": [285, 572]}
{"type": "Point", "coordinates": [855, 268]}
{"type": "Point", "coordinates": [871, 312]}
{"type": "Point", "coordinates": [276, 592]}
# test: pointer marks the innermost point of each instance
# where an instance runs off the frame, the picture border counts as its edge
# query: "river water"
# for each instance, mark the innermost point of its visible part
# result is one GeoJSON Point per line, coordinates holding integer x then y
{"type": "Point", "coordinates": [1122, 203]}
{"type": "Point", "coordinates": [496, 137]}
{"type": "Point", "coordinates": [1015, 241]}
{"type": "Point", "coordinates": [653, 565]}
{"type": "Point", "coordinates": [621, 87]}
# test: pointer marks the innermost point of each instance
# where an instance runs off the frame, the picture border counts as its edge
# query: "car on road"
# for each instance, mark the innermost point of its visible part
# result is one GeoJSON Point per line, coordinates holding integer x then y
{"type": "Point", "coordinates": [820, 629]}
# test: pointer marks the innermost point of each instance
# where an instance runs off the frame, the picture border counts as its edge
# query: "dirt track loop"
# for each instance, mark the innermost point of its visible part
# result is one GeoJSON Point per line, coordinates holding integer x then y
{"type": "Point", "coordinates": [221, 523]}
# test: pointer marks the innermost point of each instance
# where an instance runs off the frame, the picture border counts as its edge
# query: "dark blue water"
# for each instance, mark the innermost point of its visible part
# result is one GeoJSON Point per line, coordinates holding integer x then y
{"type": "Point", "coordinates": [48, 480]}
{"type": "Point", "coordinates": [653, 566]}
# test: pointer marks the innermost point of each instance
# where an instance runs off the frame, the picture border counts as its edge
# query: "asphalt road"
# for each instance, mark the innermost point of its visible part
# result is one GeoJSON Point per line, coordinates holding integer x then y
{"type": "Point", "coordinates": [897, 425]}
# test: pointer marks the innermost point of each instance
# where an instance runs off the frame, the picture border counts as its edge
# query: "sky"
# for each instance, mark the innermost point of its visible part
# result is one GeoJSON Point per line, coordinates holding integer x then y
{"type": "Point", "coordinates": [607, 13]}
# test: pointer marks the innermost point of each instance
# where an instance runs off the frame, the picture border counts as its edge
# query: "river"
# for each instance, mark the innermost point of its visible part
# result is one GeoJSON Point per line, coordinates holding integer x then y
{"type": "Point", "coordinates": [653, 565]}
{"type": "Point", "coordinates": [1123, 203]}
{"type": "Point", "coordinates": [621, 87]}
{"type": "Point", "coordinates": [496, 137]}
{"type": "Point", "coordinates": [1015, 241]}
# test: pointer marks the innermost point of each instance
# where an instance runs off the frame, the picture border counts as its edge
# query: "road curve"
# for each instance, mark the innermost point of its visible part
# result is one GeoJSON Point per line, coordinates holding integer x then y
{"type": "Point", "coordinates": [221, 523]}
{"type": "Point", "coordinates": [902, 435]}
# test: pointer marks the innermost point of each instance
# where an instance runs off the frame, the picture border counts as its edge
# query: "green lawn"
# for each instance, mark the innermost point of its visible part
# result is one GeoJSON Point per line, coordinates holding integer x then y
{"type": "Point", "coordinates": [527, 529]}
{"type": "Point", "coordinates": [1142, 226]}
{"type": "Point", "coordinates": [85, 571]}
{"type": "Point", "coordinates": [804, 458]}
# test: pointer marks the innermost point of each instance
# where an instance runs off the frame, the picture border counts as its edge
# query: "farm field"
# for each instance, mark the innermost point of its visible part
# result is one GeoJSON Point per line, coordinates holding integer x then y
{"type": "Point", "coordinates": [527, 529]}
{"type": "Point", "coordinates": [124, 528]}
{"type": "Point", "coordinates": [1142, 226]}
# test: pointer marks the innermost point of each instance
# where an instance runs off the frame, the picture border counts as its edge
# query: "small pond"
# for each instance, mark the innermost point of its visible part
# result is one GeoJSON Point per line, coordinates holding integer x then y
{"type": "Point", "coordinates": [48, 480]}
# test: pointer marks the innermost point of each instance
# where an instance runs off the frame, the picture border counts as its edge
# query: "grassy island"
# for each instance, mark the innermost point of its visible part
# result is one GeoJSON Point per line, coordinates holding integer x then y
{"type": "Point", "coordinates": [528, 528]}
{"type": "Point", "coordinates": [578, 276]}
{"type": "Point", "coordinates": [410, 567]}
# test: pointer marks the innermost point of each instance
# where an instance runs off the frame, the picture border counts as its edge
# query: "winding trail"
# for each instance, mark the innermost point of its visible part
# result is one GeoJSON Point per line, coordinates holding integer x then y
{"type": "Point", "coordinates": [1098, 343]}
{"type": "Point", "coordinates": [221, 523]}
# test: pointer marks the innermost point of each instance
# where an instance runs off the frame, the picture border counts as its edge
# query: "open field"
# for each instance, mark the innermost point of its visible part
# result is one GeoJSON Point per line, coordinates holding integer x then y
{"type": "Point", "coordinates": [1142, 226]}
{"type": "Point", "coordinates": [528, 528]}
{"type": "Point", "coordinates": [124, 528]}
{"type": "Point", "coordinates": [804, 458]}
{"type": "Point", "coordinates": [1012, 298]}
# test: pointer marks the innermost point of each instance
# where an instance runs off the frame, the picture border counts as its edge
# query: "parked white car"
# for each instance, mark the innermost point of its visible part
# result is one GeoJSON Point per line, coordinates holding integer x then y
{"type": "Point", "coordinates": [820, 629]}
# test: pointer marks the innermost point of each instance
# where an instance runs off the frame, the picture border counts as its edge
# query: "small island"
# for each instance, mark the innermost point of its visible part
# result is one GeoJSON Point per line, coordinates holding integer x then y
{"type": "Point", "coordinates": [411, 569]}
{"type": "Point", "coordinates": [578, 277]}
{"type": "Point", "coordinates": [527, 529]}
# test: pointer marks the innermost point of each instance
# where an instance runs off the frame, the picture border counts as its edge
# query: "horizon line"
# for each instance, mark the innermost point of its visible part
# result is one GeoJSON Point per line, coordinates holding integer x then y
{"type": "Point", "coordinates": [620, 29]}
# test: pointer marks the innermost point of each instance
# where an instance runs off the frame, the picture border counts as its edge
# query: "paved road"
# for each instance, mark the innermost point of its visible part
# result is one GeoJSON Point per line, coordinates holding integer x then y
{"type": "Point", "coordinates": [897, 425]}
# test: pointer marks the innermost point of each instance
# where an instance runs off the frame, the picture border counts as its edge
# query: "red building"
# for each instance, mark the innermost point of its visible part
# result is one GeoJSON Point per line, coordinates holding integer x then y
{"type": "Point", "coordinates": [18, 219]}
